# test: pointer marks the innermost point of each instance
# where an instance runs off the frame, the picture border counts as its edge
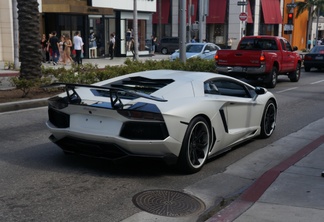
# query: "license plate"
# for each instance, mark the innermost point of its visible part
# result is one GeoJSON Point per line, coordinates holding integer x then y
{"type": "Point", "coordinates": [319, 57]}
{"type": "Point", "coordinates": [237, 69]}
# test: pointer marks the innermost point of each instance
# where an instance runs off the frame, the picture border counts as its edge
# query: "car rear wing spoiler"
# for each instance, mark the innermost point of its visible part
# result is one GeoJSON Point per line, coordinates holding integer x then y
{"type": "Point", "coordinates": [114, 93]}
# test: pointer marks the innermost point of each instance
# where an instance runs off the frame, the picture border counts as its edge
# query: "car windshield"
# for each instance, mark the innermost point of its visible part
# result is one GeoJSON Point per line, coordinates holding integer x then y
{"type": "Point", "coordinates": [318, 49]}
{"type": "Point", "coordinates": [194, 48]}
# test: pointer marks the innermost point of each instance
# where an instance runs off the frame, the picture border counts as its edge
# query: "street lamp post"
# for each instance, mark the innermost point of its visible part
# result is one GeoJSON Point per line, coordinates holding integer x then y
{"type": "Point", "coordinates": [135, 27]}
{"type": "Point", "coordinates": [182, 31]}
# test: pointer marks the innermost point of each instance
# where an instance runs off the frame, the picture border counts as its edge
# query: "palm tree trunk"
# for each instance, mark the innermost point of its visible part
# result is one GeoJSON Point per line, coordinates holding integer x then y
{"type": "Point", "coordinates": [29, 39]}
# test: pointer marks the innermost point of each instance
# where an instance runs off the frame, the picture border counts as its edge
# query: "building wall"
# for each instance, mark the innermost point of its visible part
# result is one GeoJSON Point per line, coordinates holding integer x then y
{"type": "Point", "coordinates": [6, 31]}
{"type": "Point", "coordinates": [299, 35]}
{"type": "Point", "coordinates": [142, 5]}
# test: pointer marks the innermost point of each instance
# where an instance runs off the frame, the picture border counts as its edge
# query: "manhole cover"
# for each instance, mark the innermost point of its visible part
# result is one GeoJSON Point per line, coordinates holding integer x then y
{"type": "Point", "coordinates": [168, 203]}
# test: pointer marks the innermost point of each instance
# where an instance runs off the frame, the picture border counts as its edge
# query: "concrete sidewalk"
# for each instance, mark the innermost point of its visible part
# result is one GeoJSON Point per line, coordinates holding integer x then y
{"type": "Point", "coordinates": [289, 192]}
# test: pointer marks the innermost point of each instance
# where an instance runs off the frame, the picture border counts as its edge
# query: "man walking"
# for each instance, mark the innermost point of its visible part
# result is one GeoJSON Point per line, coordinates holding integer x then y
{"type": "Point", "coordinates": [78, 47]}
{"type": "Point", "coordinates": [54, 42]}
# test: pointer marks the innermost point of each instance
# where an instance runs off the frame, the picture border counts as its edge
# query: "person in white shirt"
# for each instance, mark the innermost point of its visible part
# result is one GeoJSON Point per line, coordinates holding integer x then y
{"type": "Point", "coordinates": [78, 47]}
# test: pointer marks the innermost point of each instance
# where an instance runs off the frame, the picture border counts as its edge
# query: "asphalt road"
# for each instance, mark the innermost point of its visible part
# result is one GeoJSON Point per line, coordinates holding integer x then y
{"type": "Point", "coordinates": [39, 183]}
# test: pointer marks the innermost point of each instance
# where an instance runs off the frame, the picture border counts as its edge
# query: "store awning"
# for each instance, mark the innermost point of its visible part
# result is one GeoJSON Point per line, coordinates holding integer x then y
{"type": "Point", "coordinates": [271, 11]}
{"type": "Point", "coordinates": [165, 13]}
{"type": "Point", "coordinates": [217, 12]}
{"type": "Point", "coordinates": [249, 12]}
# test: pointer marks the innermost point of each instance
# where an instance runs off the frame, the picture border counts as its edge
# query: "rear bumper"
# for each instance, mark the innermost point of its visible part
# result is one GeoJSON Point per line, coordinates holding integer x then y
{"type": "Point", "coordinates": [103, 150]}
{"type": "Point", "coordinates": [241, 70]}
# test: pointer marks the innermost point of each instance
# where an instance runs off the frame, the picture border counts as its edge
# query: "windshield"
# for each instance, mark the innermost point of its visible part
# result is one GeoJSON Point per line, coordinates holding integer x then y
{"type": "Point", "coordinates": [318, 49]}
{"type": "Point", "coordinates": [194, 48]}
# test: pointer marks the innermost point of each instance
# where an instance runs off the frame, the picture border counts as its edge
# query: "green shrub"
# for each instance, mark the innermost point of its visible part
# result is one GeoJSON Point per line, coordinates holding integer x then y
{"type": "Point", "coordinates": [89, 73]}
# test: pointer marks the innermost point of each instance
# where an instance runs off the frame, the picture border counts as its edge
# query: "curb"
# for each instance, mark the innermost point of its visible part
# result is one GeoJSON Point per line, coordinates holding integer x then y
{"type": "Point", "coordinates": [13, 106]}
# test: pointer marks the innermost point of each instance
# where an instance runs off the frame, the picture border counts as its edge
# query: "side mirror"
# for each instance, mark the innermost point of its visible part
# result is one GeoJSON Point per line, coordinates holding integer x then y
{"type": "Point", "coordinates": [207, 51]}
{"type": "Point", "coordinates": [260, 90]}
{"type": "Point", "coordinates": [295, 48]}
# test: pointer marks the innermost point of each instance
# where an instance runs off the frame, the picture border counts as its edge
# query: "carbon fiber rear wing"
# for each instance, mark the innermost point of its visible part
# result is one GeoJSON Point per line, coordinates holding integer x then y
{"type": "Point", "coordinates": [113, 92]}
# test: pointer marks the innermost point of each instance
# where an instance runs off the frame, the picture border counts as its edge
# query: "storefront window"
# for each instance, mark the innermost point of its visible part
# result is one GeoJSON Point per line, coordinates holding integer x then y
{"type": "Point", "coordinates": [96, 37]}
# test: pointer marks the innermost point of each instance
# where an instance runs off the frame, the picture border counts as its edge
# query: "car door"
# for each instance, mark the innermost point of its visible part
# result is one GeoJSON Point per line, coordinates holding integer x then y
{"type": "Point", "coordinates": [288, 57]}
{"type": "Point", "coordinates": [212, 51]}
{"type": "Point", "coordinates": [238, 110]}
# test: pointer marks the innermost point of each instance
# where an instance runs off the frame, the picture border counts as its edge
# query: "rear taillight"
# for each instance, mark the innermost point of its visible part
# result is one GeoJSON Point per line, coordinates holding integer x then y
{"type": "Point", "coordinates": [262, 58]}
{"type": "Point", "coordinates": [216, 57]}
{"type": "Point", "coordinates": [307, 57]}
{"type": "Point", "coordinates": [140, 115]}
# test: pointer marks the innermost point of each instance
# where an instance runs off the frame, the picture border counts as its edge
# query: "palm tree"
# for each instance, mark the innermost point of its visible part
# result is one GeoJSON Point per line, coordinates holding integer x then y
{"type": "Point", "coordinates": [314, 7]}
{"type": "Point", "coordinates": [29, 43]}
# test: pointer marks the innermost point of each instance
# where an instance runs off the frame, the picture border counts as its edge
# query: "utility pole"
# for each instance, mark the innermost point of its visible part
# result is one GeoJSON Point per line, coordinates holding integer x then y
{"type": "Point", "coordinates": [190, 13]}
{"type": "Point", "coordinates": [135, 27]}
{"type": "Point", "coordinates": [160, 20]}
{"type": "Point", "coordinates": [182, 31]}
{"type": "Point", "coordinates": [201, 19]}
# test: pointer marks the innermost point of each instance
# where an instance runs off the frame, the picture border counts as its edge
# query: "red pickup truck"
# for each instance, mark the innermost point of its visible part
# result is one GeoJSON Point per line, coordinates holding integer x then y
{"type": "Point", "coordinates": [261, 58]}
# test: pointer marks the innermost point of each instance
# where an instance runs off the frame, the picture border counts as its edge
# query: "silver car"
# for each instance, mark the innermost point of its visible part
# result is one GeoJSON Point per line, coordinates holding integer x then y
{"type": "Point", "coordinates": [195, 50]}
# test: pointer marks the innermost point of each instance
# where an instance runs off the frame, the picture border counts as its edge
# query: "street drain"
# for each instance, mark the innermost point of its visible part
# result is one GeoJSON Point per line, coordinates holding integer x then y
{"type": "Point", "coordinates": [168, 203]}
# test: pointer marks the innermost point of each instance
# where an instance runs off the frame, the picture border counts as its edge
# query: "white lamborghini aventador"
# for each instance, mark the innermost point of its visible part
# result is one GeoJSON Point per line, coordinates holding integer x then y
{"type": "Point", "coordinates": [182, 117]}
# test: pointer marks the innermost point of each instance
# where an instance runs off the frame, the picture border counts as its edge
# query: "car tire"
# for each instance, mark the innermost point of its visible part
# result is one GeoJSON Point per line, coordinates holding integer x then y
{"type": "Point", "coordinates": [295, 75]}
{"type": "Point", "coordinates": [195, 146]}
{"type": "Point", "coordinates": [272, 78]}
{"type": "Point", "coordinates": [268, 121]}
{"type": "Point", "coordinates": [164, 51]}
{"type": "Point", "coordinates": [307, 68]}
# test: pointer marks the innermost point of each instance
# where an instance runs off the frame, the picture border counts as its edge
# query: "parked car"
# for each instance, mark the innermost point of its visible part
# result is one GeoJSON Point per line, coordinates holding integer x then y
{"type": "Point", "coordinates": [260, 58]}
{"type": "Point", "coordinates": [182, 117]}
{"type": "Point", "coordinates": [195, 50]}
{"type": "Point", "coordinates": [168, 45]}
{"type": "Point", "coordinates": [315, 58]}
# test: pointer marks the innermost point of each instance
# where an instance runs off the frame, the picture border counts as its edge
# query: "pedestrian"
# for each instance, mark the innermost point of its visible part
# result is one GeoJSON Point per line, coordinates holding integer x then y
{"type": "Point", "coordinates": [319, 42]}
{"type": "Point", "coordinates": [54, 41]}
{"type": "Point", "coordinates": [128, 39]}
{"type": "Point", "coordinates": [132, 47]}
{"type": "Point", "coordinates": [194, 39]}
{"type": "Point", "coordinates": [43, 47]}
{"type": "Point", "coordinates": [314, 42]}
{"type": "Point", "coordinates": [49, 49]}
{"type": "Point", "coordinates": [153, 44]}
{"type": "Point", "coordinates": [67, 49]}
{"type": "Point", "coordinates": [61, 49]}
{"type": "Point", "coordinates": [78, 47]}
{"type": "Point", "coordinates": [229, 43]}
{"type": "Point", "coordinates": [112, 42]}
{"type": "Point", "coordinates": [309, 43]}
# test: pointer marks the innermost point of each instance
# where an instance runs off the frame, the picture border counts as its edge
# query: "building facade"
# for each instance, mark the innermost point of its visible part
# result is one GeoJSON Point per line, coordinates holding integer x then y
{"type": "Point", "coordinates": [218, 21]}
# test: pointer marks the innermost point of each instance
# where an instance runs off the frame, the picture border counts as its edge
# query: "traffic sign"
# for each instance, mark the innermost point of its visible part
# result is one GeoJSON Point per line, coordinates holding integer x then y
{"type": "Point", "coordinates": [243, 16]}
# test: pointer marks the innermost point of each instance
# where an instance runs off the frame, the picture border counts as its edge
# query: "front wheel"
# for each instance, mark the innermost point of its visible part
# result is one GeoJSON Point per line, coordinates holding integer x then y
{"type": "Point", "coordinates": [295, 75]}
{"type": "Point", "coordinates": [272, 78]}
{"type": "Point", "coordinates": [307, 68]}
{"type": "Point", "coordinates": [164, 51]}
{"type": "Point", "coordinates": [268, 121]}
{"type": "Point", "coordinates": [195, 146]}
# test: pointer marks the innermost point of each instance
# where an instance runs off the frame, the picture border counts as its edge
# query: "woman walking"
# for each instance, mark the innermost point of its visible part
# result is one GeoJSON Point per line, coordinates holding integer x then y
{"type": "Point", "coordinates": [67, 49]}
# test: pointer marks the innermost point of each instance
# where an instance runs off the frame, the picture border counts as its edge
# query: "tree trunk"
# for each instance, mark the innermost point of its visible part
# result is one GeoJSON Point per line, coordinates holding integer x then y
{"type": "Point", "coordinates": [29, 39]}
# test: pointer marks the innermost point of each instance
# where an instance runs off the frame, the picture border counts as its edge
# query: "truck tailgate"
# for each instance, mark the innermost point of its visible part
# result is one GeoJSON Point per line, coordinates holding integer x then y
{"type": "Point", "coordinates": [245, 58]}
